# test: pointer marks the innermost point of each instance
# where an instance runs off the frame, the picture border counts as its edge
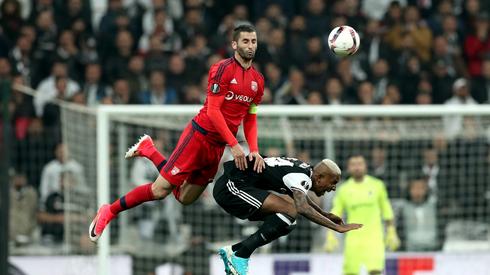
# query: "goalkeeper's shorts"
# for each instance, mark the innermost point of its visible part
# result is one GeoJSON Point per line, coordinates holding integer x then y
{"type": "Point", "coordinates": [370, 258]}
{"type": "Point", "coordinates": [194, 159]}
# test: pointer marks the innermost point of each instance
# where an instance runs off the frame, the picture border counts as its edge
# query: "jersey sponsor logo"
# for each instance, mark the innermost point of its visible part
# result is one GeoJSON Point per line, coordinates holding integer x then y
{"type": "Point", "coordinates": [233, 81]}
{"type": "Point", "coordinates": [175, 170]}
{"type": "Point", "coordinates": [254, 86]}
{"type": "Point", "coordinates": [215, 88]}
{"type": "Point", "coordinates": [243, 98]}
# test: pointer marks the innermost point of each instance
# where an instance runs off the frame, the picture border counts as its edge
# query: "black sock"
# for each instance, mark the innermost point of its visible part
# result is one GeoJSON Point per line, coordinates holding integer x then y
{"type": "Point", "coordinates": [274, 226]}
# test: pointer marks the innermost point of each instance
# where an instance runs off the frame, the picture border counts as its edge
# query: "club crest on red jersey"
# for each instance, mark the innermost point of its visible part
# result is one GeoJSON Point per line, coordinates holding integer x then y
{"type": "Point", "coordinates": [175, 171]}
{"type": "Point", "coordinates": [254, 86]}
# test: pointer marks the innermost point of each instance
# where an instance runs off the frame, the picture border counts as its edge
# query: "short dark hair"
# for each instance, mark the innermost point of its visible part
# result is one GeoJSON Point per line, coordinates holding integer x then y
{"type": "Point", "coordinates": [242, 28]}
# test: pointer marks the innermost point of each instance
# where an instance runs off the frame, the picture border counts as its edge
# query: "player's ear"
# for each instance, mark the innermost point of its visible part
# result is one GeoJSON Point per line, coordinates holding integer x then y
{"type": "Point", "coordinates": [234, 45]}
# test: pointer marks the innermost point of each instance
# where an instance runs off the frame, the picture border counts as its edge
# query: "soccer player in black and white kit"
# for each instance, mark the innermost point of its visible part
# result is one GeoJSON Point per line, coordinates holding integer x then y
{"type": "Point", "coordinates": [247, 194]}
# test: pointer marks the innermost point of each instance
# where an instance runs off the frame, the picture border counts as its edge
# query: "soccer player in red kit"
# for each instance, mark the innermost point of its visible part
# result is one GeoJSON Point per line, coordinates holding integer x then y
{"type": "Point", "coordinates": [235, 89]}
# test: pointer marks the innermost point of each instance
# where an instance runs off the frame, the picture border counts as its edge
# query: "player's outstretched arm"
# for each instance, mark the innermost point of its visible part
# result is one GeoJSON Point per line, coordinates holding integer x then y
{"type": "Point", "coordinates": [306, 210]}
{"type": "Point", "coordinates": [336, 219]}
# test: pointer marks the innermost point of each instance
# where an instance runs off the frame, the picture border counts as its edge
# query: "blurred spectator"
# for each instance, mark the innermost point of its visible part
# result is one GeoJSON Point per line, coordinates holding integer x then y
{"type": "Point", "coordinates": [380, 70]}
{"type": "Point", "coordinates": [477, 45]}
{"type": "Point", "coordinates": [75, 11]}
{"type": "Point", "coordinates": [393, 94]}
{"type": "Point", "coordinates": [274, 14]}
{"type": "Point", "coordinates": [136, 75]}
{"type": "Point", "coordinates": [155, 57]}
{"type": "Point", "coordinates": [116, 64]}
{"type": "Point", "coordinates": [161, 26]}
{"type": "Point", "coordinates": [431, 168]}
{"type": "Point", "coordinates": [23, 209]}
{"type": "Point", "coordinates": [68, 51]}
{"type": "Point", "coordinates": [315, 98]}
{"type": "Point", "coordinates": [5, 69]}
{"type": "Point", "coordinates": [316, 65]}
{"type": "Point", "coordinates": [46, 38]}
{"type": "Point", "coordinates": [435, 21]}
{"type": "Point", "coordinates": [481, 84]}
{"type": "Point", "coordinates": [51, 178]}
{"type": "Point", "coordinates": [375, 9]}
{"type": "Point", "coordinates": [34, 151]}
{"type": "Point", "coordinates": [419, 225]}
{"type": "Point", "coordinates": [414, 30]}
{"type": "Point", "coordinates": [452, 62]}
{"type": "Point", "coordinates": [51, 110]}
{"type": "Point", "coordinates": [196, 55]}
{"type": "Point", "coordinates": [121, 93]}
{"type": "Point", "coordinates": [22, 110]}
{"type": "Point", "coordinates": [297, 38]}
{"type": "Point", "coordinates": [47, 89]}
{"type": "Point", "coordinates": [177, 75]}
{"type": "Point", "coordinates": [316, 17]}
{"type": "Point", "coordinates": [384, 167]}
{"type": "Point", "coordinates": [275, 51]}
{"type": "Point", "coordinates": [344, 73]}
{"type": "Point", "coordinates": [451, 31]}
{"type": "Point", "coordinates": [273, 77]}
{"type": "Point", "coordinates": [192, 25]}
{"type": "Point", "coordinates": [59, 176]}
{"type": "Point", "coordinates": [373, 47]}
{"type": "Point", "coordinates": [423, 98]}
{"type": "Point", "coordinates": [193, 95]}
{"type": "Point", "coordinates": [20, 58]}
{"type": "Point", "coordinates": [158, 92]}
{"type": "Point", "coordinates": [453, 124]}
{"type": "Point", "coordinates": [334, 92]}
{"type": "Point", "coordinates": [93, 88]}
{"type": "Point", "coordinates": [293, 90]}
{"type": "Point", "coordinates": [10, 19]}
{"type": "Point", "coordinates": [441, 82]}
{"type": "Point", "coordinates": [365, 93]}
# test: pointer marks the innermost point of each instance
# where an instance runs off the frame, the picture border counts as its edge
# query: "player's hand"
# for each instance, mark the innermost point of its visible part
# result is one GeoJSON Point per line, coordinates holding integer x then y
{"type": "Point", "coordinates": [331, 242]}
{"type": "Point", "coordinates": [336, 219]}
{"type": "Point", "coordinates": [259, 163]}
{"type": "Point", "coordinates": [239, 156]}
{"type": "Point", "coordinates": [343, 228]}
{"type": "Point", "coordinates": [392, 240]}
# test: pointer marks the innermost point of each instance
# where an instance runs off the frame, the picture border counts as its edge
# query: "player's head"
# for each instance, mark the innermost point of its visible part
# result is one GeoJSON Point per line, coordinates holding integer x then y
{"type": "Point", "coordinates": [245, 41]}
{"type": "Point", "coordinates": [326, 175]}
{"type": "Point", "coordinates": [356, 166]}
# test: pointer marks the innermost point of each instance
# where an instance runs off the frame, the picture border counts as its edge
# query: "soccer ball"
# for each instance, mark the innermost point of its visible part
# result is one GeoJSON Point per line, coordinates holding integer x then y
{"type": "Point", "coordinates": [343, 41]}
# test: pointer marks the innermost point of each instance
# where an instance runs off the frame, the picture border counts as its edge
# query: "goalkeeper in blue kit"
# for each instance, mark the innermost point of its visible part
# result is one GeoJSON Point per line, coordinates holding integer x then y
{"type": "Point", "coordinates": [246, 194]}
{"type": "Point", "coordinates": [364, 199]}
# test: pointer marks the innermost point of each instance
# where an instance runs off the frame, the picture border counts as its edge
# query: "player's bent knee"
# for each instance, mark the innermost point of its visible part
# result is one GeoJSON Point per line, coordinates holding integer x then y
{"type": "Point", "coordinates": [161, 188]}
{"type": "Point", "coordinates": [277, 225]}
{"type": "Point", "coordinates": [289, 221]}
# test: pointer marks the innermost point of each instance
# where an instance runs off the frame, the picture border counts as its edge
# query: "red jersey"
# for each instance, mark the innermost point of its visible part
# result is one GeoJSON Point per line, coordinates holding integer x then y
{"type": "Point", "coordinates": [240, 88]}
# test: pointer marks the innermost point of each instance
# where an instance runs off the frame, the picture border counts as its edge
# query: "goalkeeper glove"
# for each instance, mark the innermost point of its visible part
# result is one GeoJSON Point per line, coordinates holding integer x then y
{"type": "Point", "coordinates": [392, 241]}
{"type": "Point", "coordinates": [331, 242]}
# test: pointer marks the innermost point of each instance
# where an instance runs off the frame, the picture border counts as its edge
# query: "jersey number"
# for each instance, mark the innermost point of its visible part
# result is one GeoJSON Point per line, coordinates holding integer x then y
{"type": "Point", "coordinates": [273, 162]}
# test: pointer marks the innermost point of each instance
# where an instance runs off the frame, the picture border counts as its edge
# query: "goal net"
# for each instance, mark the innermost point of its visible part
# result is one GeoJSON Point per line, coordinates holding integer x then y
{"type": "Point", "coordinates": [446, 146]}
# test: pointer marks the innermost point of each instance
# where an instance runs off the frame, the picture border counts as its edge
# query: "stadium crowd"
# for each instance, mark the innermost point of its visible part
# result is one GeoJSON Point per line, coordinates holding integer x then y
{"type": "Point", "coordinates": [159, 51]}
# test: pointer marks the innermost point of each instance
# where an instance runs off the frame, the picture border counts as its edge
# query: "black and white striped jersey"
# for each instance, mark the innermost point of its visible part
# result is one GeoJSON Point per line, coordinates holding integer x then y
{"type": "Point", "coordinates": [281, 175]}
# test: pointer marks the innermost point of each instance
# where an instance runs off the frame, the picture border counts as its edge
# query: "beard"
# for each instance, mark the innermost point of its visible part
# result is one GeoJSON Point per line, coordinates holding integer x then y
{"type": "Point", "coordinates": [245, 54]}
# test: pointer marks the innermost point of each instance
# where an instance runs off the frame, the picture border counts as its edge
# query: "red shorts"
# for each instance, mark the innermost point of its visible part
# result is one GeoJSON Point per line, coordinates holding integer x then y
{"type": "Point", "coordinates": [195, 159]}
